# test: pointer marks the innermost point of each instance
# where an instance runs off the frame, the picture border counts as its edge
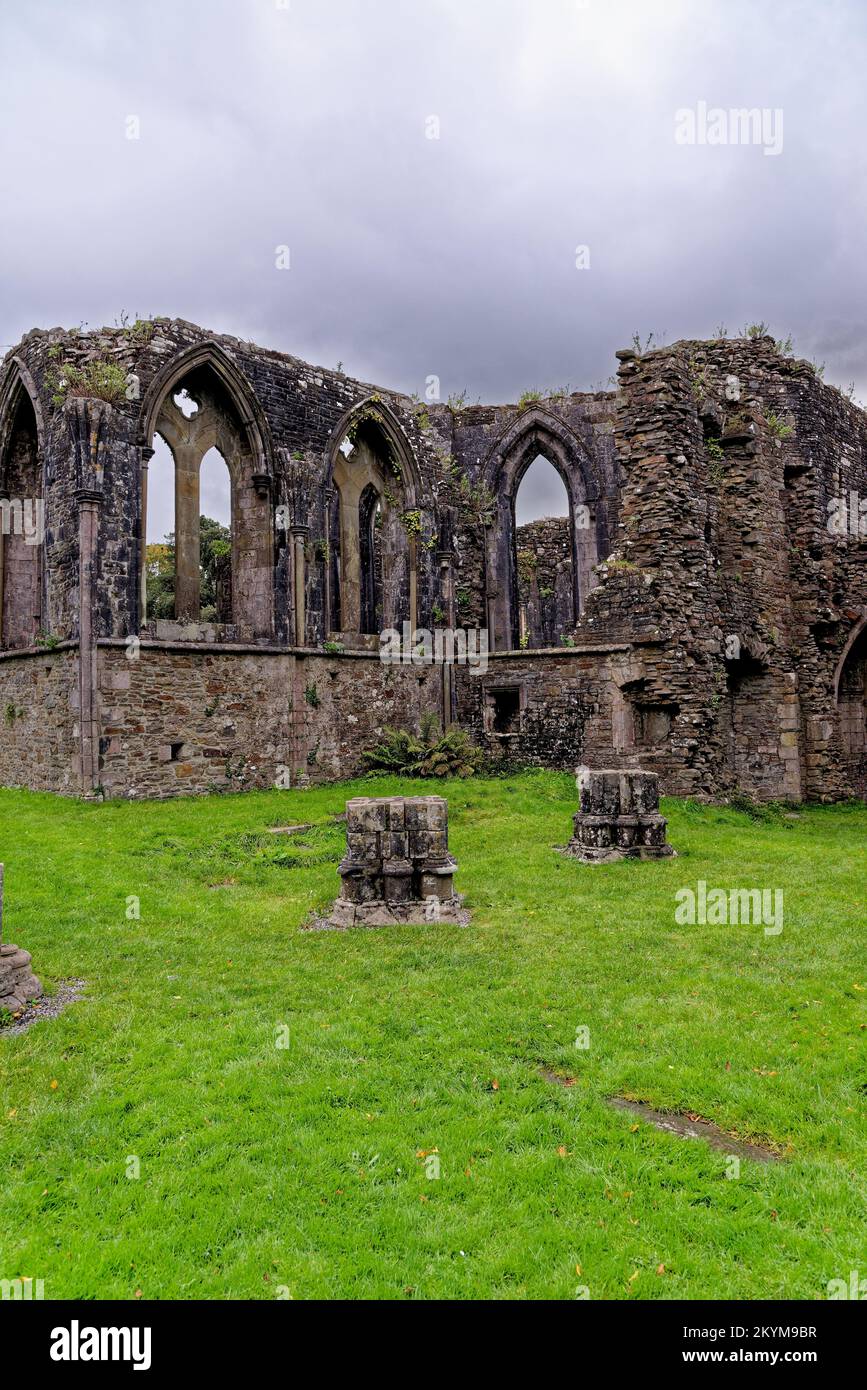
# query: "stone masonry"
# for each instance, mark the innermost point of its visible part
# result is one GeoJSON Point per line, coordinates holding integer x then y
{"type": "Point", "coordinates": [618, 818]}
{"type": "Point", "coordinates": [397, 866]}
{"type": "Point", "coordinates": [18, 984]}
{"type": "Point", "coordinates": [700, 612]}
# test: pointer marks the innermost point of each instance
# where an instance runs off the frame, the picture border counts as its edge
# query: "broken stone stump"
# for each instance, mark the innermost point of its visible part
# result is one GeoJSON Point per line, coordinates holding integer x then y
{"type": "Point", "coordinates": [397, 866]}
{"type": "Point", "coordinates": [618, 818]}
{"type": "Point", "coordinates": [18, 984]}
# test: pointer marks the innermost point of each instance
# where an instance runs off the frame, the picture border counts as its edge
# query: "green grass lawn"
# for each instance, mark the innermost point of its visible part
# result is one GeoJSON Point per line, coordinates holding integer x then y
{"type": "Point", "coordinates": [302, 1168]}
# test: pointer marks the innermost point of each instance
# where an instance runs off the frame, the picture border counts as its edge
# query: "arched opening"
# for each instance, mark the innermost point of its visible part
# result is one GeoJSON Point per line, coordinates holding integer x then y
{"type": "Point", "coordinates": [370, 548]}
{"type": "Point", "coordinates": [159, 524]}
{"type": "Point", "coordinates": [533, 434]}
{"type": "Point", "coordinates": [334, 567]}
{"type": "Point", "coordinates": [373, 526]}
{"type": "Point", "coordinates": [22, 530]}
{"type": "Point", "coordinates": [221, 532]}
{"type": "Point", "coordinates": [543, 557]}
{"type": "Point", "coordinates": [215, 539]}
{"type": "Point", "coordinates": [852, 706]}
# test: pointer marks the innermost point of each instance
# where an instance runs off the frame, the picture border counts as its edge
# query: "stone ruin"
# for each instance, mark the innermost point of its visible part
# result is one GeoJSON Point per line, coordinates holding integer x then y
{"type": "Point", "coordinates": [618, 818]}
{"type": "Point", "coordinates": [701, 611]}
{"type": "Point", "coordinates": [18, 984]}
{"type": "Point", "coordinates": [397, 866]}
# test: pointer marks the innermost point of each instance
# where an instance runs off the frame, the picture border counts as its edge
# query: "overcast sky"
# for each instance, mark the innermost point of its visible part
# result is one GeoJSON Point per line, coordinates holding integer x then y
{"type": "Point", "coordinates": [263, 124]}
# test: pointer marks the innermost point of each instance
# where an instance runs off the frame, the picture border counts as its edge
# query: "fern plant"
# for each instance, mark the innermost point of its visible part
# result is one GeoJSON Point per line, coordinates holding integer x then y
{"type": "Point", "coordinates": [431, 753]}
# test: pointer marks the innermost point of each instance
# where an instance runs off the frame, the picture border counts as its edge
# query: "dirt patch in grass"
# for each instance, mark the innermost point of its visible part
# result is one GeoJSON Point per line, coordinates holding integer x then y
{"type": "Point", "coordinates": [49, 1006]}
{"type": "Point", "coordinates": [556, 1080]}
{"type": "Point", "coordinates": [690, 1126]}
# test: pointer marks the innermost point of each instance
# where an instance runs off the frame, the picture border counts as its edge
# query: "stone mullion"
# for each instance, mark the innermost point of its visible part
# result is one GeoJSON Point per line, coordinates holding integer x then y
{"type": "Point", "coordinates": [187, 548]}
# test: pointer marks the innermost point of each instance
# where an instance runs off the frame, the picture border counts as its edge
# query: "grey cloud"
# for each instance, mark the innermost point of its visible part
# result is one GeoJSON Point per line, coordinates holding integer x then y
{"type": "Point", "coordinates": [306, 126]}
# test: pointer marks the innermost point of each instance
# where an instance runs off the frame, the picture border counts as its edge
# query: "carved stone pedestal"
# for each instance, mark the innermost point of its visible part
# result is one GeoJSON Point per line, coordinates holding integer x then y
{"type": "Point", "coordinates": [18, 984]}
{"type": "Point", "coordinates": [397, 866]}
{"type": "Point", "coordinates": [619, 818]}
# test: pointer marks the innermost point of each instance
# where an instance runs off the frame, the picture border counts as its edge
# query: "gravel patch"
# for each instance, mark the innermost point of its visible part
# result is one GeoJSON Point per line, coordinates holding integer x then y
{"type": "Point", "coordinates": [48, 1007]}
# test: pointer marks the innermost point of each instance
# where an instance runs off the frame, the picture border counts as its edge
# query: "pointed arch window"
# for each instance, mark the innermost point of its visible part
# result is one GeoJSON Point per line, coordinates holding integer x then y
{"type": "Point", "coordinates": [222, 527]}
{"type": "Point", "coordinates": [372, 553]}
{"type": "Point", "coordinates": [21, 524]}
{"type": "Point", "coordinates": [543, 557]}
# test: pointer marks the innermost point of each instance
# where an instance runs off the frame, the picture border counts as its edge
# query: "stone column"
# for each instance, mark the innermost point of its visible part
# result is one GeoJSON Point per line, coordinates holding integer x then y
{"type": "Point", "coordinates": [187, 509]}
{"type": "Point", "coordinates": [146, 455]}
{"type": "Point", "coordinates": [89, 502]}
{"type": "Point", "coordinates": [350, 558]}
{"type": "Point", "coordinates": [326, 587]}
{"type": "Point", "coordinates": [299, 581]}
{"type": "Point", "coordinates": [445, 561]}
{"type": "Point", "coordinates": [496, 592]}
{"type": "Point", "coordinates": [397, 866]}
{"type": "Point", "coordinates": [413, 583]}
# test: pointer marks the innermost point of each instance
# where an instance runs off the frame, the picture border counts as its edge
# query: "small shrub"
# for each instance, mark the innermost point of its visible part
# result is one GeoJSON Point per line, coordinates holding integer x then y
{"type": "Point", "coordinates": [97, 380]}
{"type": "Point", "coordinates": [760, 812]}
{"type": "Point", "coordinates": [778, 428]}
{"type": "Point", "coordinates": [428, 754]}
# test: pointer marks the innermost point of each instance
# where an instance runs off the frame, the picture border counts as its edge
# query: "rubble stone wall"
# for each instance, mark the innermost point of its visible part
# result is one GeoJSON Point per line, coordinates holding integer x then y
{"type": "Point", "coordinates": [39, 730]}
{"type": "Point", "coordinates": [719, 638]}
{"type": "Point", "coordinates": [184, 720]}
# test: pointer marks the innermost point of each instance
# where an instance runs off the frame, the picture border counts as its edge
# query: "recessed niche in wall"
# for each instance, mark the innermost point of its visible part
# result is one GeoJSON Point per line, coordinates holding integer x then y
{"type": "Point", "coordinates": [502, 711]}
{"type": "Point", "coordinates": [653, 724]}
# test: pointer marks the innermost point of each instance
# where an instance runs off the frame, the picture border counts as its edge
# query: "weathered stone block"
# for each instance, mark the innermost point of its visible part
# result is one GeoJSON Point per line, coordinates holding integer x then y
{"type": "Point", "coordinates": [618, 817]}
{"type": "Point", "coordinates": [398, 867]}
{"type": "Point", "coordinates": [366, 815]}
{"type": "Point", "coordinates": [363, 847]}
{"type": "Point", "coordinates": [18, 984]}
{"type": "Point", "coordinates": [395, 844]}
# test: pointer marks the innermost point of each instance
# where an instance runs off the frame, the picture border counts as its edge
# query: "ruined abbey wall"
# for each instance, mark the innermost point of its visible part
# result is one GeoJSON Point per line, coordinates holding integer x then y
{"type": "Point", "coordinates": [696, 614]}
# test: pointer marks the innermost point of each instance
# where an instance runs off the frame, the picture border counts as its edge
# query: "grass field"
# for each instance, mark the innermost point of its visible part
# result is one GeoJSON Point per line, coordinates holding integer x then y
{"type": "Point", "coordinates": [302, 1170]}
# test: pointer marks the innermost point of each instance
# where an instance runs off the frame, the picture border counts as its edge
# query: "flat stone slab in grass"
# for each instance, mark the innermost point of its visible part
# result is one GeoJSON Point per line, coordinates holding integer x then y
{"type": "Point", "coordinates": [288, 829]}
{"type": "Point", "coordinates": [692, 1127]}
